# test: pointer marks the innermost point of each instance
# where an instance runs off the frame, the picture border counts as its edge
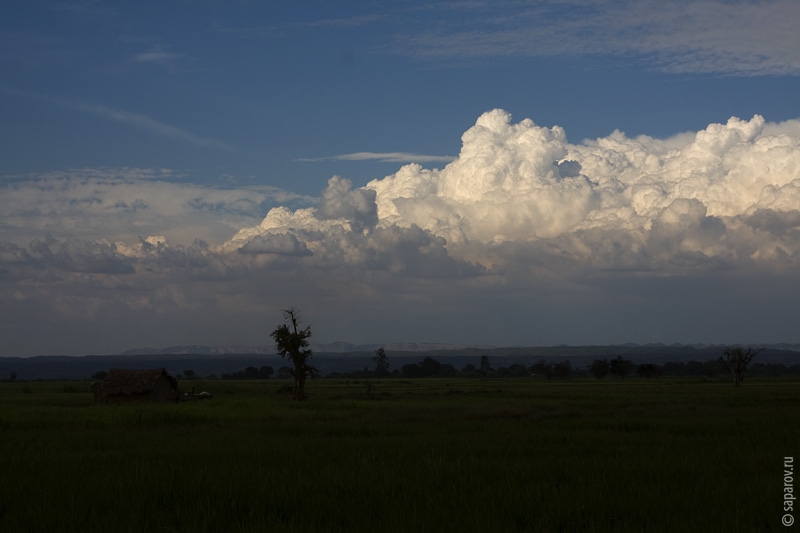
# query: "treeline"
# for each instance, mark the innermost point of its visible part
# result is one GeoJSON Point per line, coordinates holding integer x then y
{"type": "Point", "coordinates": [431, 368]}
{"type": "Point", "coordinates": [250, 372]}
{"type": "Point", "coordinates": [618, 368]}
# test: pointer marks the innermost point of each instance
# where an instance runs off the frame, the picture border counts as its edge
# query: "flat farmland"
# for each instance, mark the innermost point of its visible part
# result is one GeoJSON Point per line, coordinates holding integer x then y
{"type": "Point", "coordinates": [402, 455]}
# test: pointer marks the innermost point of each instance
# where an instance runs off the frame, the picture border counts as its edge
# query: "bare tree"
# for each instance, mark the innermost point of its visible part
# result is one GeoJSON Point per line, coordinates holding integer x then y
{"type": "Point", "coordinates": [736, 360]}
{"type": "Point", "coordinates": [292, 342]}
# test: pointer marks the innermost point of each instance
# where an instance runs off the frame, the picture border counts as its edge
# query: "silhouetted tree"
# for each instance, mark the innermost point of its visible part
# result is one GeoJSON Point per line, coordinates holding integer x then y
{"type": "Point", "coordinates": [562, 370]}
{"type": "Point", "coordinates": [543, 368]}
{"type": "Point", "coordinates": [518, 371]}
{"type": "Point", "coordinates": [736, 360]}
{"type": "Point", "coordinates": [381, 363]}
{"type": "Point", "coordinates": [100, 375]}
{"type": "Point", "coordinates": [469, 371]}
{"type": "Point", "coordinates": [620, 367]}
{"type": "Point", "coordinates": [599, 368]}
{"type": "Point", "coordinates": [12, 376]}
{"type": "Point", "coordinates": [648, 370]}
{"type": "Point", "coordinates": [429, 367]}
{"type": "Point", "coordinates": [265, 372]}
{"type": "Point", "coordinates": [292, 342]}
{"type": "Point", "coordinates": [486, 368]}
{"type": "Point", "coordinates": [189, 374]}
{"type": "Point", "coordinates": [411, 371]}
{"type": "Point", "coordinates": [447, 371]}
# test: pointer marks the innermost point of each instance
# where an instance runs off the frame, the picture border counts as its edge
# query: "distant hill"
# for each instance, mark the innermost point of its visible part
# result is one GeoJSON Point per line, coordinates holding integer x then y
{"type": "Point", "coordinates": [196, 349]}
{"type": "Point", "coordinates": [345, 357]}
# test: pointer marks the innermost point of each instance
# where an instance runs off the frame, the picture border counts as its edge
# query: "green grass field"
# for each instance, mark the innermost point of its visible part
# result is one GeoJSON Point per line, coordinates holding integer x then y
{"type": "Point", "coordinates": [426, 455]}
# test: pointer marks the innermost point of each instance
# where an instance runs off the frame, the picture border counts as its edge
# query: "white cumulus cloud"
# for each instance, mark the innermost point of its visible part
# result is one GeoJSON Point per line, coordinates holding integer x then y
{"type": "Point", "coordinates": [614, 239]}
{"type": "Point", "coordinates": [616, 202]}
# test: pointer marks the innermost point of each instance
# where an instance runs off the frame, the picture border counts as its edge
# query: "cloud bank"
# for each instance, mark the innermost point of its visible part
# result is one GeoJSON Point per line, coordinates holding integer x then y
{"type": "Point", "coordinates": [120, 204]}
{"type": "Point", "coordinates": [612, 240]}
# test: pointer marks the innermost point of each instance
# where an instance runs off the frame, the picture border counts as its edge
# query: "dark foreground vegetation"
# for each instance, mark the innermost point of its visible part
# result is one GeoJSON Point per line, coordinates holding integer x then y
{"type": "Point", "coordinates": [686, 454]}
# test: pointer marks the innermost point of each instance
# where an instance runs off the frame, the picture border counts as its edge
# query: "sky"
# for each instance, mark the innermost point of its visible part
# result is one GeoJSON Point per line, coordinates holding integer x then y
{"type": "Point", "coordinates": [497, 173]}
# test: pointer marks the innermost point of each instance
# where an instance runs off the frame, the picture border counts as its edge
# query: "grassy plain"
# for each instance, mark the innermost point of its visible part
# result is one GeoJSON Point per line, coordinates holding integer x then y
{"type": "Point", "coordinates": [426, 455]}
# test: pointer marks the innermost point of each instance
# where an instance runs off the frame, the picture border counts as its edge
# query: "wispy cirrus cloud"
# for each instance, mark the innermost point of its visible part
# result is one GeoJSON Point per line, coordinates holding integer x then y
{"type": "Point", "coordinates": [385, 157]}
{"type": "Point", "coordinates": [150, 124]}
{"type": "Point", "coordinates": [345, 22]}
{"type": "Point", "coordinates": [158, 56]}
{"type": "Point", "coordinates": [137, 120]}
{"type": "Point", "coordinates": [741, 38]}
{"type": "Point", "coordinates": [278, 30]}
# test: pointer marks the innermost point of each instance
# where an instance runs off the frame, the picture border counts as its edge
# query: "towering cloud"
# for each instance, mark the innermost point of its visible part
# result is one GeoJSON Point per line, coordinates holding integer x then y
{"type": "Point", "coordinates": [340, 202]}
{"type": "Point", "coordinates": [691, 201]}
{"type": "Point", "coordinates": [611, 235]}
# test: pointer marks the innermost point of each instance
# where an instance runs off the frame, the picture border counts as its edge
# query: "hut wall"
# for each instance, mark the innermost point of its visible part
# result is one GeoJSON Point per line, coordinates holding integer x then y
{"type": "Point", "coordinates": [163, 392]}
{"type": "Point", "coordinates": [137, 386]}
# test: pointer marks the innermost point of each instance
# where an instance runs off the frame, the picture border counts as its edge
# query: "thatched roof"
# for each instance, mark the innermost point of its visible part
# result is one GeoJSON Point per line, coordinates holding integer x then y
{"type": "Point", "coordinates": [124, 381]}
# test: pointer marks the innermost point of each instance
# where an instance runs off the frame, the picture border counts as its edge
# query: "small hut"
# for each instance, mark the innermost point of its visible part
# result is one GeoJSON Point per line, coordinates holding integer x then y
{"type": "Point", "coordinates": [136, 386]}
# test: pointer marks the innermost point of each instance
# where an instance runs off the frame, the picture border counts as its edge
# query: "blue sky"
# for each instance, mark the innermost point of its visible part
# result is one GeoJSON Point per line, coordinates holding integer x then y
{"type": "Point", "coordinates": [134, 135]}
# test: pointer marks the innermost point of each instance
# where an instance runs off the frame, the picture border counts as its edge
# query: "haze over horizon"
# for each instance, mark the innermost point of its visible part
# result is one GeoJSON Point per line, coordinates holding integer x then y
{"type": "Point", "coordinates": [517, 173]}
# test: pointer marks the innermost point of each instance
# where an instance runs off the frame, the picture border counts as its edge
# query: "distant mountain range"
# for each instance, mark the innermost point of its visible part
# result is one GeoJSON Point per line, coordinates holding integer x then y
{"type": "Point", "coordinates": [348, 347]}
{"type": "Point", "coordinates": [334, 347]}
{"type": "Point", "coordinates": [195, 349]}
